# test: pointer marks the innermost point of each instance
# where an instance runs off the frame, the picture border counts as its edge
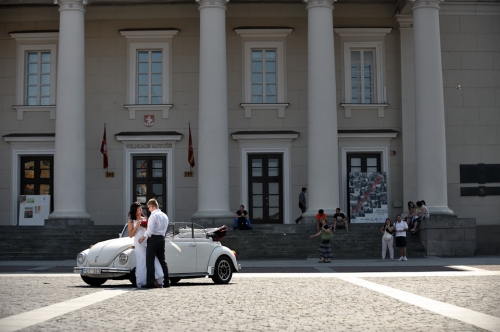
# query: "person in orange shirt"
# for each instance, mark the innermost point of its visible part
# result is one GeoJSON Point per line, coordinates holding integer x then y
{"type": "Point", "coordinates": [320, 215]}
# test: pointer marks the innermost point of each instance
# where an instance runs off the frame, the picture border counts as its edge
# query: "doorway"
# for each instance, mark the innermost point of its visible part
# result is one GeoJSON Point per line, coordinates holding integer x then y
{"type": "Point", "coordinates": [149, 181]}
{"type": "Point", "coordinates": [265, 188]}
{"type": "Point", "coordinates": [360, 163]}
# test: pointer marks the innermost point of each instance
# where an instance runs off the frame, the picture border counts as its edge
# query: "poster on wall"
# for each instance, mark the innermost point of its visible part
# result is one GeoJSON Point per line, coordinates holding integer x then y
{"type": "Point", "coordinates": [368, 197]}
{"type": "Point", "coordinates": [33, 210]}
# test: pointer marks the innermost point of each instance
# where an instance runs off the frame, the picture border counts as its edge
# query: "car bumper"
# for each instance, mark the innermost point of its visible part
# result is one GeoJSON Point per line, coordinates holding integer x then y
{"type": "Point", "coordinates": [102, 269]}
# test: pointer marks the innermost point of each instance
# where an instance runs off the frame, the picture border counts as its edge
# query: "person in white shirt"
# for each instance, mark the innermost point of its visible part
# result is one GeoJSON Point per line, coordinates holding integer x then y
{"type": "Point", "coordinates": [400, 228]}
{"type": "Point", "coordinates": [155, 234]}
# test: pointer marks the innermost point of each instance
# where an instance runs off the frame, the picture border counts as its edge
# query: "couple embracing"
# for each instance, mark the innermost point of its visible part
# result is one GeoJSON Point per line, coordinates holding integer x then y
{"type": "Point", "coordinates": [151, 270]}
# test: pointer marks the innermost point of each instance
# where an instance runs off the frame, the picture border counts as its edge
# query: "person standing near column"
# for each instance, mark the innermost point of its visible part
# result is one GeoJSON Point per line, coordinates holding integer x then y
{"type": "Point", "coordinates": [401, 227]}
{"type": "Point", "coordinates": [157, 227]}
{"type": "Point", "coordinates": [302, 204]}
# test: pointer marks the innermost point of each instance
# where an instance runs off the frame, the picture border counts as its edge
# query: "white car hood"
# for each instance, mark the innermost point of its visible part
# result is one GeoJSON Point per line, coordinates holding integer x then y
{"type": "Point", "coordinates": [103, 253]}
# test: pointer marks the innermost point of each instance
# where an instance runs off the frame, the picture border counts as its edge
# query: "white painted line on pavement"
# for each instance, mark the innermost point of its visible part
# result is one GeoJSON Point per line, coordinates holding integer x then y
{"type": "Point", "coordinates": [369, 274]}
{"type": "Point", "coordinates": [484, 321]}
{"type": "Point", "coordinates": [465, 268]}
{"type": "Point", "coordinates": [26, 319]}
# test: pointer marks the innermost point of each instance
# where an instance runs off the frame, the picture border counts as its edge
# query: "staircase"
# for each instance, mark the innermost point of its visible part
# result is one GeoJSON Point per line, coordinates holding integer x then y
{"type": "Point", "coordinates": [264, 241]}
{"type": "Point", "coordinates": [292, 242]}
{"type": "Point", "coordinates": [50, 243]}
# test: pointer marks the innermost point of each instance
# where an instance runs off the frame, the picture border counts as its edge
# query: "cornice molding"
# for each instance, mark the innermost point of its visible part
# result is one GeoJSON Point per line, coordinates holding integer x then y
{"type": "Point", "coordinates": [35, 36]}
{"type": "Point", "coordinates": [362, 32]}
{"type": "Point", "coordinates": [153, 34]}
{"type": "Point", "coordinates": [263, 33]}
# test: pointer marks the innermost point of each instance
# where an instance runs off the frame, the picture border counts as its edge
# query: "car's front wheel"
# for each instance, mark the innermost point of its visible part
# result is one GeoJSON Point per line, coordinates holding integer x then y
{"type": "Point", "coordinates": [94, 281]}
{"type": "Point", "coordinates": [223, 270]}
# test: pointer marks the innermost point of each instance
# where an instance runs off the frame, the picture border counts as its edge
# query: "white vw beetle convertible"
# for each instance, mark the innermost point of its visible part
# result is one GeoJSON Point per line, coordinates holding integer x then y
{"type": "Point", "coordinates": [191, 251]}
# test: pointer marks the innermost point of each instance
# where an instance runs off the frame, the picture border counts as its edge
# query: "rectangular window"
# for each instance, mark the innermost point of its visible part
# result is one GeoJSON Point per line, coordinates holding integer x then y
{"type": "Point", "coordinates": [362, 76]}
{"type": "Point", "coordinates": [264, 76]}
{"type": "Point", "coordinates": [149, 77]}
{"type": "Point", "coordinates": [37, 90]}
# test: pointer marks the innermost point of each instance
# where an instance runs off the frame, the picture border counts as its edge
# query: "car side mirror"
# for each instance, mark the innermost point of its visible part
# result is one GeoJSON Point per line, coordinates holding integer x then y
{"type": "Point", "coordinates": [119, 235]}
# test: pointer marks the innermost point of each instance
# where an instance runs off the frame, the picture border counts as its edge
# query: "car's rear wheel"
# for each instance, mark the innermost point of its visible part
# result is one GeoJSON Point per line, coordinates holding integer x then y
{"type": "Point", "coordinates": [131, 278]}
{"type": "Point", "coordinates": [94, 281]}
{"type": "Point", "coordinates": [174, 281]}
{"type": "Point", "coordinates": [223, 270]}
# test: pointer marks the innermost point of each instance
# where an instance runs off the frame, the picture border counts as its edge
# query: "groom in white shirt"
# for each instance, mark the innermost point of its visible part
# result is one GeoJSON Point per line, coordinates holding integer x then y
{"type": "Point", "coordinates": [155, 234]}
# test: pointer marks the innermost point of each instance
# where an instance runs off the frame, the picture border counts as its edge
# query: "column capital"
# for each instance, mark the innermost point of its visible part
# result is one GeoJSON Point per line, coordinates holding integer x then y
{"type": "Point", "coordinates": [319, 3]}
{"type": "Point", "coordinates": [417, 4]}
{"type": "Point", "coordinates": [71, 4]}
{"type": "Point", "coordinates": [212, 4]}
{"type": "Point", "coordinates": [404, 21]}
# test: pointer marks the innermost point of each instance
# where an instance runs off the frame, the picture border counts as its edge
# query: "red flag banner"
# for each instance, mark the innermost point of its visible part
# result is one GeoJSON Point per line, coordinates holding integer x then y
{"type": "Point", "coordinates": [191, 152]}
{"type": "Point", "coordinates": [104, 149]}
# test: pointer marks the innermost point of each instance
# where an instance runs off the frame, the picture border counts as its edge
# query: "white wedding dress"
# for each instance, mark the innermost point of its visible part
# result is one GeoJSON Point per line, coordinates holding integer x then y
{"type": "Point", "coordinates": [140, 259]}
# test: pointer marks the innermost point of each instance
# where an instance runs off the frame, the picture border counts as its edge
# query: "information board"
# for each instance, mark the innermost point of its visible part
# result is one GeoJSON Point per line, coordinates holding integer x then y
{"type": "Point", "coordinates": [367, 197]}
{"type": "Point", "coordinates": [33, 210]}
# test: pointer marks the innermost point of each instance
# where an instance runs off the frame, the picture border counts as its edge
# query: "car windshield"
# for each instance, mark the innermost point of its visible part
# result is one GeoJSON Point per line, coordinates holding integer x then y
{"type": "Point", "coordinates": [184, 230]}
{"type": "Point", "coordinates": [124, 231]}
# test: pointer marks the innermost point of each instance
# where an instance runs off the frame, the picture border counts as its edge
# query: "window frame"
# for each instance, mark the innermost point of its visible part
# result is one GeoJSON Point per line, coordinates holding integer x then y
{"type": "Point", "coordinates": [363, 39]}
{"type": "Point", "coordinates": [149, 40]}
{"type": "Point", "coordinates": [264, 39]}
{"type": "Point", "coordinates": [378, 90]}
{"type": "Point", "coordinates": [35, 42]}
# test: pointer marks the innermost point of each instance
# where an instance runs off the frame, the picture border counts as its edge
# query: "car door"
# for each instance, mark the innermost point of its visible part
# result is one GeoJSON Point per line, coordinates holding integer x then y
{"type": "Point", "coordinates": [204, 248]}
{"type": "Point", "coordinates": [180, 249]}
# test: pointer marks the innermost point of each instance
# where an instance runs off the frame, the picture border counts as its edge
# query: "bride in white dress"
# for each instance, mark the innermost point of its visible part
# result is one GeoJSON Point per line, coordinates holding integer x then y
{"type": "Point", "coordinates": [137, 231]}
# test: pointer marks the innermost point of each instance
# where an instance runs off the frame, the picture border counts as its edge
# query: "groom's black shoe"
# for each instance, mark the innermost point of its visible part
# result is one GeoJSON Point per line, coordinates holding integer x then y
{"type": "Point", "coordinates": [148, 286]}
{"type": "Point", "coordinates": [166, 284]}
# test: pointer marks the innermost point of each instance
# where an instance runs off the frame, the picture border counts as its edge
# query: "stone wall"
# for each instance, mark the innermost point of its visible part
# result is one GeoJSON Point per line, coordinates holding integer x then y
{"type": "Point", "coordinates": [448, 236]}
{"type": "Point", "coordinates": [488, 240]}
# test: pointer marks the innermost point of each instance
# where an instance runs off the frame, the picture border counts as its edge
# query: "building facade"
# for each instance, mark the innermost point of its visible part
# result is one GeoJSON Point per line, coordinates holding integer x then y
{"type": "Point", "coordinates": [277, 95]}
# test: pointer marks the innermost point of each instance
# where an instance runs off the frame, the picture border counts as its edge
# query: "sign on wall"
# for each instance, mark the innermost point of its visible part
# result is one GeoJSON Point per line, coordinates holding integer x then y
{"type": "Point", "coordinates": [33, 210]}
{"type": "Point", "coordinates": [368, 197]}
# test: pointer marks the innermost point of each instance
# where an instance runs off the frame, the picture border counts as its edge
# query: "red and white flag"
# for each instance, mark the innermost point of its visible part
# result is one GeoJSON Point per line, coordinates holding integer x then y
{"type": "Point", "coordinates": [104, 149]}
{"type": "Point", "coordinates": [191, 151]}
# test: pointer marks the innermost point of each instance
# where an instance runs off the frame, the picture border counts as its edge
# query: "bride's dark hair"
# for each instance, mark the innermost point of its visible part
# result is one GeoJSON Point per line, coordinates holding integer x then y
{"type": "Point", "coordinates": [133, 210]}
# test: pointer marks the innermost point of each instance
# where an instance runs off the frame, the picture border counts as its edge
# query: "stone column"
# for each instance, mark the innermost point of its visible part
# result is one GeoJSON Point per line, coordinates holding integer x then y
{"type": "Point", "coordinates": [323, 164]}
{"type": "Point", "coordinates": [429, 108]}
{"type": "Point", "coordinates": [213, 134]}
{"type": "Point", "coordinates": [69, 158]}
{"type": "Point", "coordinates": [408, 109]}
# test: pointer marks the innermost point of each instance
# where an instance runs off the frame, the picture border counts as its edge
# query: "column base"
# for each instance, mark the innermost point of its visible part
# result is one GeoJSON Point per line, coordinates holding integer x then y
{"type": "Point", "coordinates": [440, 210]}
{"type": "Point", "coordinates": [69, 215]}
{"type": "Point", "coordinates": [213, 218]}
{"type": "Point", "coordinates": [69, 222]}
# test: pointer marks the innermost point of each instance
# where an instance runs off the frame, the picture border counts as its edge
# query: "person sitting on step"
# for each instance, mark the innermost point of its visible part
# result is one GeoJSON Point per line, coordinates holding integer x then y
{"type": "Point", "coordinates": [320, 215]}
{"type": "Point", "coordinates": [339, 220]}
{"type": "Point", "coordinates": [242, 220]}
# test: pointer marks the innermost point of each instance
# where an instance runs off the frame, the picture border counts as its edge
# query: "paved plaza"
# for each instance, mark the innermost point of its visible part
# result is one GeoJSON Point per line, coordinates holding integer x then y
{"type": "Point", "coordinates": [426, 294]}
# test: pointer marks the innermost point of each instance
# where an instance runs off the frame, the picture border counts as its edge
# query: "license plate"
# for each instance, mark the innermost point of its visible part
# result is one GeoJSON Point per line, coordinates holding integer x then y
{"type": "Point", "coordinates": [90, 270]}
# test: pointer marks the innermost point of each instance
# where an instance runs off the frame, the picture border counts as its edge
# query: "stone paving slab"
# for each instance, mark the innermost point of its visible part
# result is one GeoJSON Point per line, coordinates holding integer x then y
{"type": "Point", "coordinates": [252, 304]}
{"type": "Point", "coordinates": [479, 293]}
{"type": "Point", "coordinates": [28, 293]}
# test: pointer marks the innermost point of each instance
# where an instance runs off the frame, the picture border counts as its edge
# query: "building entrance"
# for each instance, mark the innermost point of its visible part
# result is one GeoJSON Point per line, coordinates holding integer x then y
{"type": "Point", "coordinates": [360, 163]}
{"type": "Point", "coordinates": [149, 180]}
{"type": "Point", "coordinates": [265, 188]}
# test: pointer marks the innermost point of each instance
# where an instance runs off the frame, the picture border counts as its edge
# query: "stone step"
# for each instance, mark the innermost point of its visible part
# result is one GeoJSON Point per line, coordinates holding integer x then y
{"type": "Point", "coordinates": [264, 241]}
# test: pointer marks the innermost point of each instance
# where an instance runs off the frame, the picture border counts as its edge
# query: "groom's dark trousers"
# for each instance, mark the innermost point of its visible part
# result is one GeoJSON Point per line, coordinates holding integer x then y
{"type": "Point", "coordinates": [155, 248]}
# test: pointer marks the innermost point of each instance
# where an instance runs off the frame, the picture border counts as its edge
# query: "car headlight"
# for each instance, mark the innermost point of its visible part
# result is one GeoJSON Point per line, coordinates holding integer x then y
{"type": "Point", "coordinates": [80, 258]}
{"type": "Point", "coordinates": [123, 258]}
